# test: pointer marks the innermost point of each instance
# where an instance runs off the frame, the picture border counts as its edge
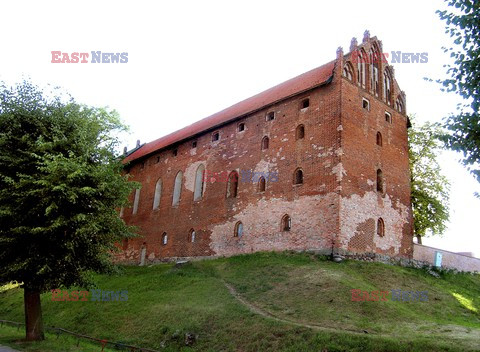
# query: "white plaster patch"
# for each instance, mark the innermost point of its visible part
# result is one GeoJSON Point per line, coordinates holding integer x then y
{"type": "Point", "coordinates": [357, 210]}
{"type": "Point", "coordinates": [340, 128]}
{"type": "Point", "coordinates": [339, 171]}
{"type": "Point", "coordinates": [190, 173]}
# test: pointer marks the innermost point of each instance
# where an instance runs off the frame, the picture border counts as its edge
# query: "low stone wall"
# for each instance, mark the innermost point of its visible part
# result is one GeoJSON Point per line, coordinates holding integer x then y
{"type": "Point", "coordinates": [450, 260]}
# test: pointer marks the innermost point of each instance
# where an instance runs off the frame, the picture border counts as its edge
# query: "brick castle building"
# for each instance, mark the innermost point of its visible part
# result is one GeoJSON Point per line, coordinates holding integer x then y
{"type": "Point", "coordinates": [317, 162]}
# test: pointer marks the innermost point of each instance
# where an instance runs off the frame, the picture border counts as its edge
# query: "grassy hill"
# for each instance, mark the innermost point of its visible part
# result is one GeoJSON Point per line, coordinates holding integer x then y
{"type": "Point", "coordinates": [269, 302]}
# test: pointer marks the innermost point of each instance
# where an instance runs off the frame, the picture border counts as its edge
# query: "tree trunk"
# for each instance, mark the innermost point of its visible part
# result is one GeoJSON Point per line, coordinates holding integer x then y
{"type": "Point", "coordinates": [419, 239]}
{"type": "Point", "coordinates": [33, 315]}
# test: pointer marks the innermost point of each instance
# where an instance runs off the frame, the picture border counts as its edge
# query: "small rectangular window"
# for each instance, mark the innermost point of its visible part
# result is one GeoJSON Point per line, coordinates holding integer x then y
{"type": "Point", "coordinates": [241, 127]}
{"type": "Point", "coordinates": [194, 144]}
{"type": "Point", "coordinates": [215, 136]}
{"type": "Point", "coordinates": [366, 104]}
{"type": "Point", "coordinates": [305, 103]}
{"type": "Point", "coordinates": [270, 116]}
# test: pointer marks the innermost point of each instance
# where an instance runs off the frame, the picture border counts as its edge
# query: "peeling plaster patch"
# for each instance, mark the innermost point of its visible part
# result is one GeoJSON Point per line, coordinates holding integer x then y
{"type": "Point", "coordinates": [370, 182]}
{"type": "Point", "coordinates": [357, 210]}
{"type": "Point", "coordinates": [190, 172]}
{"type": "Point", "coordinates": [151, 256]}
{"type": "Point", "coordinates": [310, 227]}
{"type": "Point", "coordinates": [284, 139]}
{"type": "Point", "coordinates": [339, 171]}
{"type": "Point", "coordinates": [193, 151]}
{"type": "Point", "coordinates": [340, 128]}
{"type": "Point", "coordinates": [264, 166]}
{"type": "Point", "coordinates": [339, 152]}
{"type": "Point", "coordinates": [311, 138]}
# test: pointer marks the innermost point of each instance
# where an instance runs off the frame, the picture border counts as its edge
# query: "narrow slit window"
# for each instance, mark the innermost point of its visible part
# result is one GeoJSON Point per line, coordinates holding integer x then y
{"type": "Point", "coordinates": [286, 223]}
{"type": "Point", "coordinates": [261, 184]}
{"type": "Point", "coordinates": [232, 185]}
{"type": "Point", "coordinates": [379, 139]}
{"type": "Point", "coordinates": [388, 117]}
{"type": "Point", "coordinates": [265, 142]}
{"type": "Point", "coordinates": [238, 231]}
{"type": "Point", "coordinates": [380, 227]}
{"type": "Point", "coordinates": [194, 144]}
{"type": "Point", "coordinates": [300, 132]}
{"type": "Point", "coordinates": [298, 177]}
{"type": "Point", "coordinates": [192, 235]}
{"type": "Point", "coordinates": [215, 136]}
{"type": "Point", "coordinates": [164, 239]}
{"type": "Point", "coordinates": [379, 181]}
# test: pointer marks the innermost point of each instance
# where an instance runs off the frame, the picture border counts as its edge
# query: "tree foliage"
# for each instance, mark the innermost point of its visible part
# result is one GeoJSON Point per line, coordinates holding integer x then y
{"type": "Point", "coordinates": [60, 185]}
{"type": "Point", "coordinates": [463, 25]}
{"type": "Point", "coordinates": [429, 188]}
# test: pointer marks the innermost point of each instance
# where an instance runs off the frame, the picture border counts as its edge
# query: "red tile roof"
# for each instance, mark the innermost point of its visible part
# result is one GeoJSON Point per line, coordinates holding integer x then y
{"type": "Point", "coordinates": [304, 82]}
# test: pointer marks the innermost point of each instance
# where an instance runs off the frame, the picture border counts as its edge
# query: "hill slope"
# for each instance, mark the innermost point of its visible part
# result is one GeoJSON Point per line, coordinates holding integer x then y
{"type": "Point", "coordinates": [273, 302]}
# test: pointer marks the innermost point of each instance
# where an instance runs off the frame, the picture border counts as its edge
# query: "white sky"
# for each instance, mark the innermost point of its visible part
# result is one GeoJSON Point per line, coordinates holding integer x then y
{"type": "Point", "coordinates": [189, 59]}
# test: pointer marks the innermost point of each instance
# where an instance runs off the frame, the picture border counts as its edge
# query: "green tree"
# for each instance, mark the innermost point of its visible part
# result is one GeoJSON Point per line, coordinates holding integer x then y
{"type": "Point", "coordinates": [429, 188]}
{"type": "Point", "coordinates": [60, 185]}
{"type": "Point", "coordinates": [463, 25]}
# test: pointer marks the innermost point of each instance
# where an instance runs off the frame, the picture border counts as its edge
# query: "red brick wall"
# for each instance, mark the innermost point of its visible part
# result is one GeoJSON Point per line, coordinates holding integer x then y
{"type": "Point", "coordinates": [337, 202]}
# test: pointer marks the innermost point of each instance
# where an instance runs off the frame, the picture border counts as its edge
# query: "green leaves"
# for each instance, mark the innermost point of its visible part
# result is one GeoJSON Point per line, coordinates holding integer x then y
{"type": "Point", "coordinates": [60, 183]}
{"type": "Point", "coordinates": [429, 188]}
{"type": "Point", "coordinates": [464, 126]}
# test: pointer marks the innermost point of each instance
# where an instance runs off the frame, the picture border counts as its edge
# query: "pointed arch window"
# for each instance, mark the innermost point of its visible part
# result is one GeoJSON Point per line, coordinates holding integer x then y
{"type": "Point", "coordinates": [192, 236]}
{"type": "Point", "coordinates": [164, 239]}
{"type": "Point", "coordinates": [348, 71]}
{"type": "Point", "coordinates": [232, 185]}
{"type": "Point", "coordinates": [387, 87]}
{"type": "Point", "coordinates": [158, 194]}
{"type": "Point", "coordinates": [380, 227]}
{"type": "Point", "coordinates": [286, 224]}
{"type": "Point", "coordinates": [399, 105]}
{"type": "Point", "coordinates": [199, 178]}
{"type": "Point", "coordinates": [374, 69]}
{"type": "Point", "coordinates": [361, 68]}
{"type": "Point", "coordinates": [177, 189]}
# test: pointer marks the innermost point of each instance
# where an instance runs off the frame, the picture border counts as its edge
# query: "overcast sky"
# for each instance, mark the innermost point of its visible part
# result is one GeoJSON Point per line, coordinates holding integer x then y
{"type": "Point", "coordinates": [190, 59]}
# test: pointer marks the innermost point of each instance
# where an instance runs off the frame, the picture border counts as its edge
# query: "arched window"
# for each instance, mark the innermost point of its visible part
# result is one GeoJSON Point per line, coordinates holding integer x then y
{"type": "Point", "coordinates": [348, 71]}
{"type": "Point", "coordinates": [298, 177]}
{"type": "Point", "coordinates": [177, 190]}
{"type": "Point", "coordinates": [158, 194]}
{"type": "Point", "coordinates": [164, 239]}
{"type": "Point", "coordinates": [261, 184]}
{"type": "Point", "coordinates": [387, 87]}
{"type": "Point", "coordinates": [379, 139]}
{"type": "Point", "coordinates": [399, 105]}
{"type": "Point", "coordinates": [379, 181]}
{"type": "Point", "coordinates": [374, 58]}
{"type": "Point", "coordinates": [191, 236]}
{"type": "Point", "coordinates": [300, 132]}
{"type": "Point", "coordinates": [286, 223]}
{"type": "Point", "coordinates": [265, 142]}
{"type": "Point", "coordinates": [232, 185]}
{"type": "Point", "coordinates": [238, 231]}
{"type": "Point", "coordinates": [361, 67]}
{"type": "Point", "coordinates": [199, 178]}
{"type": "Point", "coordinates": [136, 200]}
{"type": "Point", "coordinates": [380, 227]}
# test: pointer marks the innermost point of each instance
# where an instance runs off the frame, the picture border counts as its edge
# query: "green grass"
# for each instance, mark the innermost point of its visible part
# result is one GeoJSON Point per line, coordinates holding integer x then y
{"type": "Point", "coordinates": [164, 303]}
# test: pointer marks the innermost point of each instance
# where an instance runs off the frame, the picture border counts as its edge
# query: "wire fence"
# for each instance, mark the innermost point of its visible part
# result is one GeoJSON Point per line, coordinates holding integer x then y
{"type": "Point", "coordinates": [103, 343]}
